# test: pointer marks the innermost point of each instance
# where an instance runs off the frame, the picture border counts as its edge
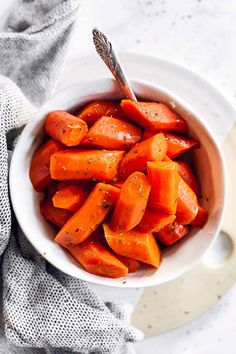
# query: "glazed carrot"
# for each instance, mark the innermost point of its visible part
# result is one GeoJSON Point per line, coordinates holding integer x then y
{"type": "Point", "coordinates": [52, 188]}
{"type": "Point", "coordinates": [187, 203]}
{"type": "Point", "coordinates": [172, 233]}
{"type": "Point", "coordinates": [130, 263]}
{"type": "Point", "coordinates": [56, 216]}
{"type": "Point", "coordinates": [154, 116]}
{"type": "Point", "coordinates": [66, 128]}
{"type": "Point", "coordinates": [96, 259]}
{"type": "Point", "coordinates": [153, 221]}
{"type": "Point", "coordinates": [147, 135]}
{"type": "Point", "coordinates": [90, 165]}
{"type": "Point", "coordinates": [96, 109]}
{"type": "Point", "coordinates": [112, 133]}
{"type": "Point", "coordinates": [131, 203]}
{"type": "Point", "coordinates": [70, 197]}
{"type": "Point", "coordinates": [134, 244]}
{"type": "Point", "coordinates": [87, 219]}
{"type": "Point", "coordinates": [164, 179]}
{"type": "Point", "coordinates": [39, 170]}
{"type": "Point", "coordinates": [153, 149]}
{"type": "Point", "coordinates": [187, 174]}
{"type": "Point", "coordinates": [201, 217]}
{"type": "Point", "coordinates": [177, 145]}
{"type": "Point", "coordinates": [118, 184]}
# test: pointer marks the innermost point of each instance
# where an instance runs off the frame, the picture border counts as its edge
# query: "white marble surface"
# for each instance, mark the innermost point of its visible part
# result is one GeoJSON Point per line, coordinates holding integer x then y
{"type": "Point", "coordinates": [198, 34]}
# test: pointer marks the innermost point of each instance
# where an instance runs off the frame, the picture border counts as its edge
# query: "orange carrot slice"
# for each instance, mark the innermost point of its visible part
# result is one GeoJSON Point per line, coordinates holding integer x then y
{"type": "Point", "coordinates": [177, 145]}
{"type": "Point", "coordinates": [70, 197]}
{"type": "Point", "coordinates": [201, 218]}
{"type": "Point", "coordinates": [130, 263]}
{"type": "Point", "coordinates": [172, 233]}
{"type": "Point", "coordinates": [87, 219]}
{"type": "Point", "coordinates": [54, 215]}
{"type": "Point", "coordinates": [187, 174]}
{"type": "Point", "coordinates": [153, 221]}
{"type": "Point", "coordinates": [187, 203]}
{"type": "Point", "coordinates": [132, 202]}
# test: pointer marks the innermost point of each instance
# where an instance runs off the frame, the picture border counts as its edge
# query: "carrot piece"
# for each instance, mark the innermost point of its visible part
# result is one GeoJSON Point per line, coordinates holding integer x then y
{"type": "Point", "coordinates": [153, 221]}
{"type": "Point", "coordinates": [187, 174]}
{"type": "Point", "coordinates": [177, 145]}
{"type": "Point", "coordinates": [92, 213]}
{"type": "Point", "coordinates": [166, 158]}
{"type": "Point", "coordinates": [187, 203]}
{"type": "Point", "coordinates": [70, 197]}
{"type": "Point", "coordinates": [154, 116]}
{"type": "Point", "coordinates": [118, 184]}
{"type": "Point", "coordinates": [112, 133]}
{"type": "Point", "coordinates": [56, 216]}
{"type": "Point", "coordinates": [96, 109]}
{"type": "Point", "coordinates": [65, 127]}
{"type": "Point", "coordinates": [96, 259]}
{"type": "Point", "coordinates": [96, 165]}
{"type": "Point", "coordinates": [130, 263]}
{"type": "Point", "coordinates": [201, 218]}
{"type": "Point", "coordinates": [172, 233]}
{"type": "Point", "coordinates": [131, 203]}
{"type": "Point", "coordinates": [153, 149]}
{"type": "Point", "coordinates": [147, 135]}
{"type": "Point", "coordinates": [39, 173]}
{"type": "Point", "coordinates": [164, 179]}
{"type": "Point", "coordinates": [134, 244]}
{"type": "Point", "coordinates": [52, 188]}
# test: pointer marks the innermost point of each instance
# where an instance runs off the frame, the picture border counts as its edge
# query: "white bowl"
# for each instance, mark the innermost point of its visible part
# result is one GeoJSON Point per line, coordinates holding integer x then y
{"type": "Point", "coordinates": [177, 259]}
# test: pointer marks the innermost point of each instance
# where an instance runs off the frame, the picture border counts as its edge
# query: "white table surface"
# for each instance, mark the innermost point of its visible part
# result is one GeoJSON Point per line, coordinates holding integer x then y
{"type": "Point", "coordinates": [200, 35]}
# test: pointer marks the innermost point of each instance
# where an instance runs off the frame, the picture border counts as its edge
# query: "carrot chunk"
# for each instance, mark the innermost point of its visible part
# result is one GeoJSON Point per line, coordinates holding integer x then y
{"type": "Point", "coordinates": [187, 174]}
{"type": "Point", "coordinates": [154, 116]}
{"type": "Point", "coordinates": [153, 149]}
{"type": "Point", "coordinates": [87, 219]}
{"type": "Point", "coordinates": [112, 133]}
{"type": "Point", "coordinates": [96, 259]}
{"type": "Point", "coordinates": [70, 197]}
{"type": "Point", "coordinates": [177, 145]}
{"type": "Point", "coordinates": [96, 109]}
{"type": "Point", "coordinates": [153, 221]}
{"type": "Point", "coordinates": [66, 128]}
{"type": "Point", "coordinates": [164, 179]}
{"type": "Point", "coordinates": [131, 203]}
{"type": "Point", "coordinates": [187, 203]}
{"type": "Point", "coordinates": [39, 170]}
{"type": "Point", "coordinates": [134, 244]}
{"type": "Point", "coordinates": [130, 263]}
{"type": "Point", "coordinates": [201, 218]}
{"type": "Point", "coordinates": [96, 165]}
{"type": "Point", "coordinates": [172, 233]}
{"type": "Point", "coordinates": [56, 216]}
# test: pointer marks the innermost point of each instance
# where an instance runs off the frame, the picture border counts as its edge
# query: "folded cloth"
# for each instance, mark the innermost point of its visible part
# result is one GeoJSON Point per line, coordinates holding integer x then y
{"type": "Point", "coordinates": [43, 310]}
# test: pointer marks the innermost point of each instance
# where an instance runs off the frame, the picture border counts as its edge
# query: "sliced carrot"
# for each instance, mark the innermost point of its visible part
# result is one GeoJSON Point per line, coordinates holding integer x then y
{"type": "Point", "coordinates": [201, 218]}
{"type": "Point", "coordinates": [164, 179]}
{"type": "Point", "coordinates": [92, 213]}
{"type": "Point", "coordinates": [154, 116]}
{"type": "Point", "coordinates": [70, 197]}
{"type": "Point", "coordinates": [187, 203]}
{"type": "Point", "coordinates": [187, 174]}
{"type": "Point", "coordinates": [65, 127]}
{"type": "Point", "coordinates": [147, 135]}
{"type": "Point", "coordinates": [118, 184]}
{"type": "Point", "coordinates": [134, 244]}
{"type": "Point", "coordinates": [52, 188]}
{"type": "Point", "coordinates": [112, 134]}
{"type": "Point", "coordinates": [172, 233]}
{"type": "Point", "coordinates": [130, 263]}
{"type": "Point", "coordinates": [96, 259]}
{"type": "Point", "coordinates": [96, 109]}
{"type": "Point", "coordinates": [166, 158]}
{"type": "Point", "coordinates": [56, 216]}
{"type": "Point", "coordinates": [177, 145]}
{"type": "Point", "coordinates": [153, 149]}
{"type": "Point", "coordinates": [92, 165]}
{"type": "Point", "coordinates": [39, 170]}
{"type": "Point", "coordinates": [153, 221]}
{"type": "Point", "coordinates": [131, 203]}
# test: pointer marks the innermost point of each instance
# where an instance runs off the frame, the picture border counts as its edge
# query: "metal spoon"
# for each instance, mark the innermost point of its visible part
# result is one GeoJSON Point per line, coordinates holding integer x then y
{"type": "Point", "coordinates": [106, 52]}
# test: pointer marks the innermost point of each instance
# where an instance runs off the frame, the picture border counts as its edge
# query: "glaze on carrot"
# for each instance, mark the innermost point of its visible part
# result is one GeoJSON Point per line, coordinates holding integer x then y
{"type": "Point", "coordinates": [112, 134]}
{"type": "Point", "coordinates": [54, 215]}
{"type": "Point", "coordinates": [187, 203]}
{"type": "Point", "coordinates": [177, 145]}
{"type": "Point", "coordinates": [92, 213]}
{"type": "Point", "coordinates": [172, 233]}
{"type": "Point", "coordinates": [164, 179]}
{"type": "Point", "coordinates": [201, 218]}
{"type": "Point", "coordinates": [134, 244]}
{"type": "Point", "coordinates": [131, 203]}
{"type": "Point", "coordinates": [70, 197]}
{"type": "Point", "coordinates": [90, 165]}
{"type": "Point", "coordinates": [39, 170]}
{"type": "Point", "coordinates": [153, 221]}
{"type": "Point", "coordinates": [153, 149]}
{"type": "Point", "coordinates": [130, 263]}
{"type": "Point", "coordinates": [187, 174]}
{"type": "Point", "coordinates": [154, 116]}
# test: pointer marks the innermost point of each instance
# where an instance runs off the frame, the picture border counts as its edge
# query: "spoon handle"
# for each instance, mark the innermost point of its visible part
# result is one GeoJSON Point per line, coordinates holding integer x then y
{"type": "Point", "coordinates": [106, 52]}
